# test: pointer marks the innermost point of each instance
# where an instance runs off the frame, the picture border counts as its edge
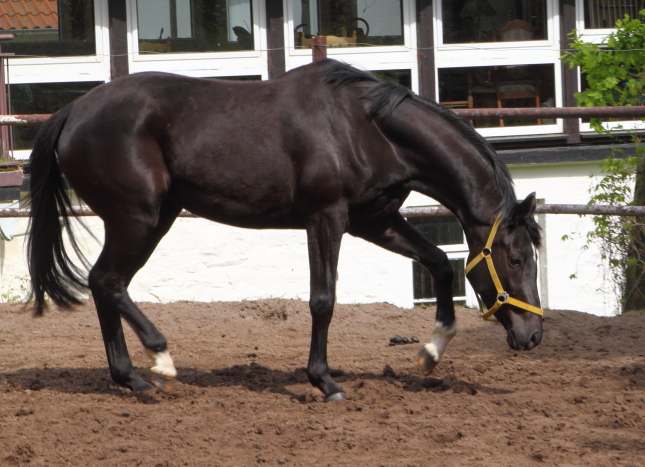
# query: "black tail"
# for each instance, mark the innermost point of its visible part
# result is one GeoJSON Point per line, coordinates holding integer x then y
{"type": "Point", "coordinates": [51, 269]}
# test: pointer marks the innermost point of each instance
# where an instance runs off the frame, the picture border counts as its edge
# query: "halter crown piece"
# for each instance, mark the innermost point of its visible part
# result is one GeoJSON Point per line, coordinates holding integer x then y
{"type": "Point", "coordinates": [502, 296]}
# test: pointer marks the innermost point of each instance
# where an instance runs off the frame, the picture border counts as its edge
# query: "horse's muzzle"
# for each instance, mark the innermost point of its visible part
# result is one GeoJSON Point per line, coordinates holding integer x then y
{"type": "Point", "coordinates": [524, 339]}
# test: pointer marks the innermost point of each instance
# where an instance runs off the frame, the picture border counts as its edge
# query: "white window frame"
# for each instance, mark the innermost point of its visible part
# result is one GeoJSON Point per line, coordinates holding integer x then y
{"type": "Point", "coordinates": [596, 36]}
{"type": "Point", "coordinates": [591, 34]}
{"type": "Point", "coordinates": [74, 69]}
{"type": "Point", "coordinates": [203, 64]}
{"type": "Point", "coordinates": [67, 69]}
{"type": "Point", "coordinates": [391, 57]}
{"type": "Point", "coordinates": [541, 52]}
{"type": "Point", "coordinates": [457, 251]}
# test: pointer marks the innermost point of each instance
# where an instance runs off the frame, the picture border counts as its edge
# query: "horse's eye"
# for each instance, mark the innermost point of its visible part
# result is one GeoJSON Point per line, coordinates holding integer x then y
{"type": "Point", "coordinates": [514, 262]}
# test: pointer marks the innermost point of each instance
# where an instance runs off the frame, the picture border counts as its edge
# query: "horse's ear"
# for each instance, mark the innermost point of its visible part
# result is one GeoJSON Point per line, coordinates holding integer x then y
{"type": "Point", "coordinates": [524, 209]}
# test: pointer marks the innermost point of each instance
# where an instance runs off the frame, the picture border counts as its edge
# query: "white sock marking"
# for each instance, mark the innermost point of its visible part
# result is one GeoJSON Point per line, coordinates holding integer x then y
{"type": "Point", "coordinates": [163, 363]}
{"type": "Point", "coordinates": [441, 335]}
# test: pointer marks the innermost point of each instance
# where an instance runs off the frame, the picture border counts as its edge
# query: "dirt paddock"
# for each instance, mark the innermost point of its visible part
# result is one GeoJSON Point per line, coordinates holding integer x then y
{"type": "Point", "coordinates": [242, 397]}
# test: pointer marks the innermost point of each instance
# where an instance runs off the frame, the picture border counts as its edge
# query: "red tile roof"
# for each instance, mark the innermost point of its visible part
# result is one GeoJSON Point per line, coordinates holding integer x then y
{"type": "Point", "coordinates": [28, 14]}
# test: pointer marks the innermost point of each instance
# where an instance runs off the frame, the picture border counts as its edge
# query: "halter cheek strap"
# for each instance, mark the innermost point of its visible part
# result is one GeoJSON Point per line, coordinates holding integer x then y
{"type": "Point", "coordinates": [502, 296]}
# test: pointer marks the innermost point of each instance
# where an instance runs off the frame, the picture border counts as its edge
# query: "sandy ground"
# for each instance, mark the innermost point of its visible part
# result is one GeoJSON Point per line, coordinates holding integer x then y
{"type": "Point", "coordinates": [243, 399]}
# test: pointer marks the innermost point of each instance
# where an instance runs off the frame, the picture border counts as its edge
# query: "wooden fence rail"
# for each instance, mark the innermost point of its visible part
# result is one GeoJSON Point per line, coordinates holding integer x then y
{"type": "Point", "coordinates": [434, 211]}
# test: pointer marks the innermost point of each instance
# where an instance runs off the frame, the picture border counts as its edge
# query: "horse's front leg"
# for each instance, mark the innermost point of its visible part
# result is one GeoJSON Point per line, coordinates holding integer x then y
{"type": "Point", "coordinates": [324, 234]}
{"type": "Point", "coordinates": [397, 235]}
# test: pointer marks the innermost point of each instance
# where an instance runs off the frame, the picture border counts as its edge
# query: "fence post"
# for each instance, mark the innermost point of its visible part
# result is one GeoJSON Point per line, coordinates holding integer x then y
{"type": "Point", "coordinates": [5, 105]}
{"type": "Point", "coordinates": [319, 47]}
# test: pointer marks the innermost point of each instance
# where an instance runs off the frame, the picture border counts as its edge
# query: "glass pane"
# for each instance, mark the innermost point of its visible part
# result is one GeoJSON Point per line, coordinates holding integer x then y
{"type": "Point", "coordinates": [499, 86]}
{"type": "Point", "coordinates": [439, 230]}
{"type": "Point", "coordinates": [424, 286]}
{"type": "Point", "coordinates": [167, 26]}
{"type": "Point", "coordinates": [402, 77]}
{"type": "Point", "coordinates": [348, 23]}
{"type": "Point", "coordinates": [493, 20]}
{"type": "Point", "coordinates": [602, 14]}
{"type": "Point", "coordinates": [41, 98]}
{"type": "Point", "coordinates": [51, 28]}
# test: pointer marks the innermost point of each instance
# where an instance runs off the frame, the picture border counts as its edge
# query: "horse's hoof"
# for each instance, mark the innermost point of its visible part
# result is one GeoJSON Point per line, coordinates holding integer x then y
{"type": "Point", "coordinates": [142, 387]}
{"type": "Point", "coordinates": [426, 362]}
{"type": "Point", "coordinates": [335, 397]}
{"type": "Point", "coordinates": [164, 383]}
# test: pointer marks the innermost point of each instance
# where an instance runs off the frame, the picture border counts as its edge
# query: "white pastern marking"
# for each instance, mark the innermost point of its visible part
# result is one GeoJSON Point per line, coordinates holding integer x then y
{"type": "Point", "coordinates": [441, 335]}
{"type": "Point", "coordinates": [163, 363]}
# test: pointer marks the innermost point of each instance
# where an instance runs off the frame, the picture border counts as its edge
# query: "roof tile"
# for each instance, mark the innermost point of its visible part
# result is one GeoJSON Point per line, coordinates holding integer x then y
{"type": "Point", "coordinates": [28, 14]}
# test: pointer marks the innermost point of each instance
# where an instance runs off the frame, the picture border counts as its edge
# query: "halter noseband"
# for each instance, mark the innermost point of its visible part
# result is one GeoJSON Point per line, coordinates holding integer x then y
{"type": "Point", "coordinates": [502, 296]}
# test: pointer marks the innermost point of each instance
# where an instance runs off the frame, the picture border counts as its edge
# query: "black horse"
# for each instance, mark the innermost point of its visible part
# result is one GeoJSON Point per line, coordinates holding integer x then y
{"type": "Point", "coordinates": [325, 148]}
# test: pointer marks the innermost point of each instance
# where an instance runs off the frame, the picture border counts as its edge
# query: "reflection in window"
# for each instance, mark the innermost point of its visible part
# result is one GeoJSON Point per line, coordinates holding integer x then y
{"type": "Point", "coordinates": [497, 87]}
{"type": "Point", "coordinates": [348, 23]}
{"type": "Point", "coordinates": [493, 20]}
{"type": "Point", "coordinates": [41, 98]}
{"type": "Point", "coordinates": [51, 28]}
{"type": "Point", "coordinates": [440, 231]}
{"type": "Point", "coordinates": [194, 25]}
{"type": "Point", "coordinates": [602, 14]}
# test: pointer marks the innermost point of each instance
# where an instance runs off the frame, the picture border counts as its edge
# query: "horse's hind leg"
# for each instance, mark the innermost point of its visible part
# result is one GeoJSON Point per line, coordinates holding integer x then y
{"type": "Point", "coordinates": [397, 235]}
{"type": "Point", "coordinates": [128, 245]}
{"type": "Point", "coordinates": [324, 234]}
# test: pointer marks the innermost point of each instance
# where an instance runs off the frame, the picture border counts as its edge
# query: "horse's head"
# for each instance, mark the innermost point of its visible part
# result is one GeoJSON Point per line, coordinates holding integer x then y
{"type": "Point", "coordinates": [502, 269]}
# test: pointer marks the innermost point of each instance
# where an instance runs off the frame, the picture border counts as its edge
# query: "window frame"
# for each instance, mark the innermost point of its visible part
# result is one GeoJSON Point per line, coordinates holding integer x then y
{"type": "Point", "coordinates": [233, 63]}
{"type": "Point", "coordinates": [484, 54]}
{"type": "Point", "coordinates": [596, 36]}
{"type": "Point", "coordinates": [390, 57]}
{"type": "Point", "coordinates": [94, 67]}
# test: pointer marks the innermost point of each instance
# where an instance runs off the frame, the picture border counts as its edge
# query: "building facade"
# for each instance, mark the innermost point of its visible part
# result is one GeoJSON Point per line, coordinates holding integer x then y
{"type": "Point", "coordinates": [463, 53]}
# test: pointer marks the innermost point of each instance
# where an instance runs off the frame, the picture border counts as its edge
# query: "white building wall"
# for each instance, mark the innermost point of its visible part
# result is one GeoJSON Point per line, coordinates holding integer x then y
{"type": "Point", "coordinates": [199, 260]}
{"type": "Point", "coordinates": [568, 184]}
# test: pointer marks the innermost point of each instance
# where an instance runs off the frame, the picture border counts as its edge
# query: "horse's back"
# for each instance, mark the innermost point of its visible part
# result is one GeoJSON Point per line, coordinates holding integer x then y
{"type": "Point", "coordinates": [255, 154]}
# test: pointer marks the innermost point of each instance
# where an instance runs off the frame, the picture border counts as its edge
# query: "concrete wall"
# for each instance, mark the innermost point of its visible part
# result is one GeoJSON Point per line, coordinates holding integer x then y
{"type": "Point", "coordinates": [203, 261]}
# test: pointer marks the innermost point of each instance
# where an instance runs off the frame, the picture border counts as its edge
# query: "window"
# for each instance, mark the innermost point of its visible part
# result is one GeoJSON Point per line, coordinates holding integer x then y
{"type": "Point", "coordinates": [447, 233]}
{"type": "Point", "coordinates": [467, 21]}
{"type": "Point", "coordinates": [348, 23]}
{"type": "Point", "coordinates": [167, 26]}
{"type": "Point", "coordinates": [51, 28]}
{"type": "Point", "coordinates": [602, 14]}
{"type": "Point", "coordinates": [41, 98]}
{"type": "Point", "coordinates": [499, 86]}
{"type": "Point", "coordinates": [500, 53]}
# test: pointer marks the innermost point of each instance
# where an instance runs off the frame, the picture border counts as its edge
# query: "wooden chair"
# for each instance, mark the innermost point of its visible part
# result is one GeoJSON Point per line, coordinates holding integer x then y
{"type": "Point", "coordinates": [516, 30]}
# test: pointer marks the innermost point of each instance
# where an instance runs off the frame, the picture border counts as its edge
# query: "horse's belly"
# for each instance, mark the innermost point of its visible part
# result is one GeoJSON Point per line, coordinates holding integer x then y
{"type": "Point", "coordinates": [270, 211]}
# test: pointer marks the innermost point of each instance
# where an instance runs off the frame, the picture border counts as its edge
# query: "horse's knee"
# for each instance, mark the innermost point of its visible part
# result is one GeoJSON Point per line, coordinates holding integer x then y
{"type": "Point", "coordinates": [444, 272]}
{"type": "Point", "coordinates": [100, 282]}
{"type": "Point", "coordinates": [322, 304]}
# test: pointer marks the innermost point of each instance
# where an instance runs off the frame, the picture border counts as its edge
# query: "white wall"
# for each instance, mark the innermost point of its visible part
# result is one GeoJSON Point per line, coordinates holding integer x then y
{"type": "Point", "coordinates": [203, 261]}
{"type": "Point", "coordinates": [568, 184]}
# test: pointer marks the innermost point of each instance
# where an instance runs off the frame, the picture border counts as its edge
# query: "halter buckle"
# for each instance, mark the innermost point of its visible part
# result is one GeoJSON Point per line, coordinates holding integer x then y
{"type": "Point", "coordinates": [502, 297]}
{"type": "Point", "coordinates": [486, 251]}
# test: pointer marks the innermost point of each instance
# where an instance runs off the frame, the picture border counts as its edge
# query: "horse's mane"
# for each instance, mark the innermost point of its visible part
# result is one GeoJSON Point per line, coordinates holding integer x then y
{"type": "Point", "coordinates": [388, 95]}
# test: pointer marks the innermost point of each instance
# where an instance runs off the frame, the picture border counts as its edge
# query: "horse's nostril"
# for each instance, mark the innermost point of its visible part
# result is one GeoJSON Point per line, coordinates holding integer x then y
{"type": "Point", "coordinates": [512, 342]}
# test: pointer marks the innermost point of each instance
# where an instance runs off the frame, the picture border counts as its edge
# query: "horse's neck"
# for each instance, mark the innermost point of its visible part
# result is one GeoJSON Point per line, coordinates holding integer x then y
{"type": "Point", "coordinates": [448, 165]}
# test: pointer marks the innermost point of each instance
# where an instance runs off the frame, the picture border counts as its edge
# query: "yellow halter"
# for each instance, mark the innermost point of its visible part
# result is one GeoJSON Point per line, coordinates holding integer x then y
{"type": "Point", "coordinates": [502, 296]}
